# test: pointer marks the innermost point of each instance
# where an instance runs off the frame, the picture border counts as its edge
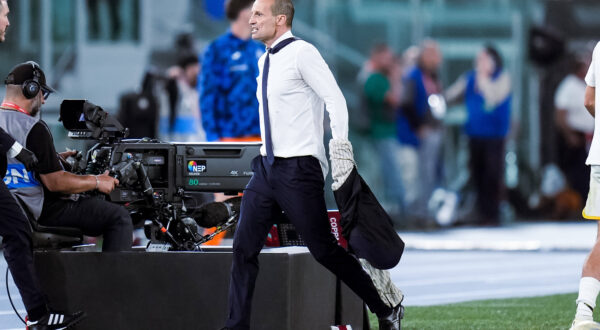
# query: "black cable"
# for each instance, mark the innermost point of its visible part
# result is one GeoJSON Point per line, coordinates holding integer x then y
{"type": "Point", "coordinates": [10, 299]}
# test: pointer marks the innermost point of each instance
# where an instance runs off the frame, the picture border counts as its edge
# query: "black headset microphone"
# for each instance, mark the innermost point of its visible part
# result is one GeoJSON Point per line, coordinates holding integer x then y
{"type": "Point", "coordinates": [30, 87]}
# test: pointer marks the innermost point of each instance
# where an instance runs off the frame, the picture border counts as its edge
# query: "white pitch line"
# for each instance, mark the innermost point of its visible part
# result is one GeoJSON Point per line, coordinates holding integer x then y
{"type": "Point", "coordinates": [484, 278]}
{"type": "Point", "coordinates": [9, 312]}
{"type": "Point", "coordinates": [462, 245]}
{"type": "Point", "coordinates": [474, 266]}
{"type": "Point", "coordinates": [531, 291]}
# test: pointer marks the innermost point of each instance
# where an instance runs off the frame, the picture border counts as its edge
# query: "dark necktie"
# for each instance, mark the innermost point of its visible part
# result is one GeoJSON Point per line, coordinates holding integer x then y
{"type": "Point", "coordinates": [265, 78]}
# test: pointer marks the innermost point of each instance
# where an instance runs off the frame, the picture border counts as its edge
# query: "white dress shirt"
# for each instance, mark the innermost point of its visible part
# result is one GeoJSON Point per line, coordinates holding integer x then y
{"type": "Point", "coordinates": [300, 87]}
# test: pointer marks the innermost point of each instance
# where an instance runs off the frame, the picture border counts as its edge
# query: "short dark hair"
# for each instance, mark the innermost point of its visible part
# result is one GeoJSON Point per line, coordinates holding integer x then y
{"type": "Point", "coordinates": [186, 59]}
{"type": "Point", "coordinates": [234, 7]}
{"type": "Point", "coordinates": [284, 7]}
{"type": "Point", "coordinates": [495, 55]}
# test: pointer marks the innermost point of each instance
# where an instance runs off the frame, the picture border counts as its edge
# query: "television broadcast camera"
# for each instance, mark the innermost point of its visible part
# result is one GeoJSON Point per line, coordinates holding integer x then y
{"type": "Point", "coordinates": [160, 183]}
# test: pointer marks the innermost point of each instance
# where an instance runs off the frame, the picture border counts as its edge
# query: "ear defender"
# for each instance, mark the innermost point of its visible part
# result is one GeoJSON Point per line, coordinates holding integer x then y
{"type": "Point", "coordinates": [32, 87]}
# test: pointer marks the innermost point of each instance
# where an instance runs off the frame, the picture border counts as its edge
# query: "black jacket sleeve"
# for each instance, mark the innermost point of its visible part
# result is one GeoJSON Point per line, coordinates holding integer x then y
{"type": "Point", "coordinates": [6, 141]}
{"type": "Point", "coordinates": [366, 225]}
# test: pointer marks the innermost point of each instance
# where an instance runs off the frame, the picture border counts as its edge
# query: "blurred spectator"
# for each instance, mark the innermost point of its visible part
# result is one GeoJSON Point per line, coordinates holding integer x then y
{"type": "Point", "coordinates": [410, 56]}
{"type": "Point", "coordinates": [486, 91]}
{"type": "Point", "coordinates": [419, 131]}
{"type": "Point", "coordinates": [575, 125]}
{"type": "Point", "coordinates": [366, 69]}
{"type": "Point", "coordinates": [358, 117]}
{"type": "Point", "coordinates": [185, 121]}
{"type": "Point", "coordinates": [382, 96]}
{"type": "Point", "coordinates": [228, 80]}
{"type": "Point", "coordinates": [139, 110]}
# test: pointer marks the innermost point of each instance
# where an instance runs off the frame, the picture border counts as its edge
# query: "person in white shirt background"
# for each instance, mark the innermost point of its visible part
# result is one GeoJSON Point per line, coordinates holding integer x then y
{"type": "Point", "coordinates": [575, 126]}
{"type": "Point", "coordinates": [294, 84]}
{"type": "Point", "coordinates": [187, 126]}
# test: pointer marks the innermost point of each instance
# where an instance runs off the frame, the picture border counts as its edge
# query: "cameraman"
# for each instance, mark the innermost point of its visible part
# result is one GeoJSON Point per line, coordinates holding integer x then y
{"type": "Point", "coordinates": [16, 234]}
{"type": "Point", "coordinates": [51, 196]}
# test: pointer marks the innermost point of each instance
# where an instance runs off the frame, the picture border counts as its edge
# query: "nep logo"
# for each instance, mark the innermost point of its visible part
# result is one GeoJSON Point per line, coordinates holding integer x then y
{"type": "Point", "coordinates": [196, 167]}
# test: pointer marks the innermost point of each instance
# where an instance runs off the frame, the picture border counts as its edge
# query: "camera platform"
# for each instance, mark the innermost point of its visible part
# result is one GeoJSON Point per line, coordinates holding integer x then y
{"type": "Point", "coordinates": [188, 290]}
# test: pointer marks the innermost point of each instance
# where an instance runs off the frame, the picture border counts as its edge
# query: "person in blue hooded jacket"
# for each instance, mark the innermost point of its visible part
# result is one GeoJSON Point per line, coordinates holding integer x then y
{"type": "Point", "coordinates": [420, 131]}
{"type": "Point", "coordinates": [486, 91]}
{"type": "Point", "coordinates": [228, 80]}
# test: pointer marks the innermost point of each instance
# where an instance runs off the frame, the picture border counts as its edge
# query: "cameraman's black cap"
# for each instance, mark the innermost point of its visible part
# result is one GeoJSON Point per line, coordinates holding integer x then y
{"type": "Point", "coordinates": [27, 71]}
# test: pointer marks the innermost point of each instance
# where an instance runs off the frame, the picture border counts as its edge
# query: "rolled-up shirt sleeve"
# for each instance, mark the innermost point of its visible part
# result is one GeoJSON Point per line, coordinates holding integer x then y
{"type": "Point", "coordinates": [318, 76]}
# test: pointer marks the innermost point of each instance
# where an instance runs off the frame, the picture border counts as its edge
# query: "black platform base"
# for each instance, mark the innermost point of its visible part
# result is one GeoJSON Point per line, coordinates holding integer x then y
{"type": "Point", "coordinates": [179, 290]}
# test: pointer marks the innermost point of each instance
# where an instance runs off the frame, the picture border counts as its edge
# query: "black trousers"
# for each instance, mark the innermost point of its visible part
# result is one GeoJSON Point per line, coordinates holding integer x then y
{"type": "Point", "coordinates": [16, 242]}
{"type": "Point", "coordinates": [94, 217]}
{"type": "Point", "coordinates": [294, 185]}
{"type": "Point", "coordinates": [487, 169]}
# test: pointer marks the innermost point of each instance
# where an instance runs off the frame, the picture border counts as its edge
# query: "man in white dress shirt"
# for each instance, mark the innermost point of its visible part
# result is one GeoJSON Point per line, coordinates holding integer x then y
{"type": "Point", "coordinates": [294, 85]}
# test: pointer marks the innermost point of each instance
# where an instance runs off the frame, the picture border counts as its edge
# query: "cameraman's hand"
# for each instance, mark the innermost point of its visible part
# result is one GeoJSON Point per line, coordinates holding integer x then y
{"type": "Point", "coordinates": [28, 159]}
{"type": "Point", "coordinates": [66, 154]}
{"type": "Point", "coordinates": [106, 183]}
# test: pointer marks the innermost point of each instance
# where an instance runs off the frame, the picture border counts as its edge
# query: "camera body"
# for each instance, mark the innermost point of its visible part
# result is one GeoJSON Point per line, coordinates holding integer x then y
{"type": "Point", "coordinates": [172, 168]}
{"type": "Point", "coordinates": [160, 183]}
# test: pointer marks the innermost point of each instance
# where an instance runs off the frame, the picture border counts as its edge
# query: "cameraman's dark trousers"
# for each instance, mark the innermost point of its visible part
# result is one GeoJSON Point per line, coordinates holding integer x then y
{"type": "Point", "coordinates": [94, 217]}
{"type": "Point", "coordinates": [16, 243]}
{"type": "Point", "coordinates": [294, 185]}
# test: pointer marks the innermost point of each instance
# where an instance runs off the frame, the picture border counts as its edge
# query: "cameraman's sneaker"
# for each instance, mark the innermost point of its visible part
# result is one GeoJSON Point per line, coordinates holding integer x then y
{"type": "Point", "coordinates": [55, 321]}
{"type": "Point", "coordinates": [585, 325]}
{"type": "Point", "coordinates": [392, 322]}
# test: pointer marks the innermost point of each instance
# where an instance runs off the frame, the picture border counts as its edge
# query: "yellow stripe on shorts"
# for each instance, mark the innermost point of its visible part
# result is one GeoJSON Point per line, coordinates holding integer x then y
{"type": "Point", "coordinates": [589, 217]}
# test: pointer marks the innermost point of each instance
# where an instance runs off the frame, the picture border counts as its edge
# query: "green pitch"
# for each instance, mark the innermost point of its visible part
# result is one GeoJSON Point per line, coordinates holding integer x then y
{"type": "Point", "coordinates": [551, 312]}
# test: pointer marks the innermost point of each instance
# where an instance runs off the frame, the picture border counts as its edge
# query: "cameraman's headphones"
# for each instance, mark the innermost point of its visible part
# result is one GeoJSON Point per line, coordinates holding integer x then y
{"type": "Point", "coordinates": [30, 87]}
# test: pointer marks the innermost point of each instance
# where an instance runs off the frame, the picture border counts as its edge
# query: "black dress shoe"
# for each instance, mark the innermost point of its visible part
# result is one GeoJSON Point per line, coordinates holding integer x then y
{"type": "Point", "coordinates": [392, 322]}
